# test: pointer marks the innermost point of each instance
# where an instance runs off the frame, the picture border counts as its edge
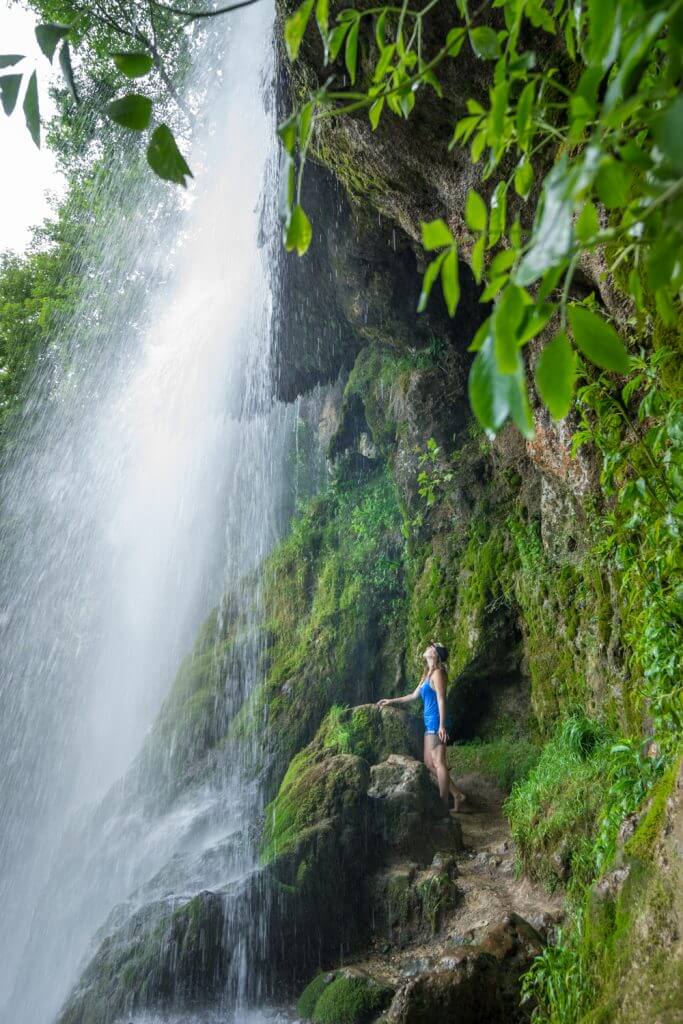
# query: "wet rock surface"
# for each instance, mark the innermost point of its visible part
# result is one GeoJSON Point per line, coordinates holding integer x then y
{"type": "Point", "coordinates": [460, 957]}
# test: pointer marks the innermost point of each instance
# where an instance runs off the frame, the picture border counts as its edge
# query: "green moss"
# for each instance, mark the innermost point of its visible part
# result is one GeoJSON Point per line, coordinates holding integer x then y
{"type": "Point", "coordinates": [310, 995]}
{"type": "Point", "coordinates": [350, 1000]}
{"type": "Point", "coordinates": [334, 600]}
{"type": "Point", "coordinates": [362, 182]}
{"type": "Point", "coordinates": [315, 790]}
{"type": "Point", "coordinates": [366, 732]}
{"type": "Point", "coordinates": [641, 844]}
{"type": "Point", "coordinates": [438, 895]}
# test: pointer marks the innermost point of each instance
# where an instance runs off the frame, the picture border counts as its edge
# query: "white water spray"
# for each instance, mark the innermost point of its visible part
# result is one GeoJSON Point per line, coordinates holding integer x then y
{"type": "Point", "coordinates": [151, 486]}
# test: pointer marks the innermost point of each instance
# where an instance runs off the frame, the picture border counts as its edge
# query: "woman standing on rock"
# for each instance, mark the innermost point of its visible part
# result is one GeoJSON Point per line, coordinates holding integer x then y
{"type": "Point", "coordinates": [432, 690]}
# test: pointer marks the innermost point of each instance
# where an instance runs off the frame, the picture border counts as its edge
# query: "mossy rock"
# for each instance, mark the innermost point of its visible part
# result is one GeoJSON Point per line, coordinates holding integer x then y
{"type": "Point", "coordinates": [334, 597]}
{"type": "Point", "coordinates": [407, 814]}
{"type": "Point", "coordinates": [163, 954]}
{"type": "Point", "coordinates": [369, 732]}
{"type": "Point", "coordinates": [319, 795]}
{"type": "Point", "coordinates": [344, 997]}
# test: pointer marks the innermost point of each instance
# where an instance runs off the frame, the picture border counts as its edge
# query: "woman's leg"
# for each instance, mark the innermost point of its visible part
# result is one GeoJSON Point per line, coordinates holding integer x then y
{"type": "Point", "coordinates": [428, 747]}
{"type": "Point", "coordinates": [441, 770]}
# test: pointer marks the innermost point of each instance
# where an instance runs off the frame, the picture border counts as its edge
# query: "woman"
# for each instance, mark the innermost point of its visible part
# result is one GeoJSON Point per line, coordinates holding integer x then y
{"type": "Point", "coordinates": [432, 690]}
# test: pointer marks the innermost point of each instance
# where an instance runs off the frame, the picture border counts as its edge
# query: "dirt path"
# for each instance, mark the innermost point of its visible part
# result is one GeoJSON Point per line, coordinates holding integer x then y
{"type": "Point", "coordinates": [489, 892]}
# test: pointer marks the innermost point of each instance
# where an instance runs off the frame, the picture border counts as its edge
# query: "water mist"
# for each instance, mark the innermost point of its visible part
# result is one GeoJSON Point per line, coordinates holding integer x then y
{"type": "Point", "coordinates": [149, 485]}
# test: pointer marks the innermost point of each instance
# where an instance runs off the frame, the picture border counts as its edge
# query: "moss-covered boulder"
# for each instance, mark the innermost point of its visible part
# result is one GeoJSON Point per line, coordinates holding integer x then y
{"type": "Point", "coordinates": [169, 953]}
{"type": "Point", "coordinates": [320, 804]}
{"type": "Point", "coordinates": [369, 732]}
{"type": "Point", "coordinates": [324, 790]}
{"type": "Point", "coordinates": [344, 997]}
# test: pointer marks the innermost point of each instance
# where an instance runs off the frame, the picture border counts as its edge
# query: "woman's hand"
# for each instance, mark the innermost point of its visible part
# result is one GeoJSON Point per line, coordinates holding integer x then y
{"type": "Point", "coordinates": [443, 735]}
{"type": "Point", "coordinates": [383, 703]}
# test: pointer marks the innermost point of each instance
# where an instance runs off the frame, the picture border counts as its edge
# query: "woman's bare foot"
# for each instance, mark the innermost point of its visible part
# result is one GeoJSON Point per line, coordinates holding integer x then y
{"type": "Point", "coordinates": [461, 804]}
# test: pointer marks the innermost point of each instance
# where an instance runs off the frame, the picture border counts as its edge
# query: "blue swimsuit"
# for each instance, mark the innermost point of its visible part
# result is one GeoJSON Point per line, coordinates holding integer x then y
{"type": "Point", "coordinates": [431, 706]}
{"type": "Point", "coordinates": [431, 709]}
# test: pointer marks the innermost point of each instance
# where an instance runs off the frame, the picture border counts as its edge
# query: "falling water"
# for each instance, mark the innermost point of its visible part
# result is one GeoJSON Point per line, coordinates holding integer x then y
{"type": "Point", "coordinates": [149, 485]}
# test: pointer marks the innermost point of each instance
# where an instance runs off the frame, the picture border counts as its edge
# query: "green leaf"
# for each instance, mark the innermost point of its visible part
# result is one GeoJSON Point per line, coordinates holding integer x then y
{"type": "Point", "coordinates": [165, 158]}
{"type": "Point", "coordinates": [477, 147]}
{"type": "Point", "coordinates": [555, 376]}
{"type": "Point", "coordinates": [535, 318]}
{"type": "Point", "coordinates": [662, 260]}
{"type": "Point", "coordinates": [430, 276]}
{"type": "Point", "coordinates": [483, 332]}
{"type": "Point", "coordinates": [429, 78]}
{"type": "Point", "coordinates": [613, 184]}
{"type": "Point", "coordinates": [9, 91]}
{"type": "Point", "coordinates": [48, 36]}
{"type": "Point", "coordinates": [476, 213]}
{"type": "Point", "coordinates": [498, 213]}
{"type": "Point", "coordinates": [495, 396]}
{"type": "Point", "coordinates": [588, 224]}
{"type": "Point", "coordinates": [288, 131]}
{"type": "Point", "coordinates": [604, 34]}
{"type": "Point", "coordinates": [502, 262]}
{"type": "Point", "coordinates": [375, 112]}
{"type": "Point", "coordinates": [454, 41]}
{"type": "Point", "coordinates": [132, 111]}
{"type": "Point", "coordinates": [133, 64]}
{"type": "Point", "coordinates": [67, 70]}
{"type": "Point", "coordinates": [337, 37]}
{"type": "Point", "coordinates": [632, 64]}
{"type": "Point", "coordinates": [636, 289]}
{"type": "Point", "coordinates": [484, 42]}
{"type": "Point", "coordinates": [380, 36]}
{"type": "Point", "coordinates": [305, 125]}
{"type": "Point", "coordinates": [525, 105]}
{"type": "Point", "coordinates": [287, 191]}
{"type": "Point", "coordinates": [669, 133]}
{"type": "Point", "coordinates": [505, 323]}
{"type": "Point", "coordinates": [322, 15]}
{"type": "Point", "coordinates": [495, 133]}
{"type": "Point", "coordinates": [524, 178]}
{"type": "Point", "coordinates": [295, 26]}
{"type": "Point", "coordinates": [7, 60]}
{"type": "Point", "coordinates": [32, 109]}
{"type": "Point", "coordinates": [383, 63]}
{"type": "Point", "coordinates": [597, 340]}
{"type": "Point", "coordinates": [553, 232]}
{"type": "Point", "coordinates": [299, 232]}
{"type": "Point", "coordinates": [450, 280]}
{"type": "Point", "coordinates": [435, 234]}
{"type": "Point", "coordinates": [351, 51]}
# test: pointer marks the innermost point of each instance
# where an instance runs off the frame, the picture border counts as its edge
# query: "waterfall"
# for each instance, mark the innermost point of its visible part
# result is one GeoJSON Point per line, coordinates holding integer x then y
{"type": "Point", "coordinates": [145, 491]}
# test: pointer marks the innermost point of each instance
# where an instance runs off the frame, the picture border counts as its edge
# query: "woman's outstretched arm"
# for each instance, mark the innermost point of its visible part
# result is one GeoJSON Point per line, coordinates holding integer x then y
{"type": "Point", "coordinates": [385, 701]}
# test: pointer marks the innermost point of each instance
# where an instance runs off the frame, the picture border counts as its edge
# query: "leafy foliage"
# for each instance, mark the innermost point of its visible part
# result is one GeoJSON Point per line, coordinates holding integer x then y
{"type": "Point", "coordinates": [103, 36]}
{"type": "Point", "coordinates": [595, 127]}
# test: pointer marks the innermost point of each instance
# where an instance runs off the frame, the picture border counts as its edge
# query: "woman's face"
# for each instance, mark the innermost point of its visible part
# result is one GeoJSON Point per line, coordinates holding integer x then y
{"type": "Point", "coordinates": [430, 655]}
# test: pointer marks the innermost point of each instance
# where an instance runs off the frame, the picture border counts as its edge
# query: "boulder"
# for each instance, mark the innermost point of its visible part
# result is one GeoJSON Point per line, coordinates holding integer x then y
{"type": "Point", "coordinates": [406, 810]}
{"type": "Point", "coordinates": [468, 993]}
